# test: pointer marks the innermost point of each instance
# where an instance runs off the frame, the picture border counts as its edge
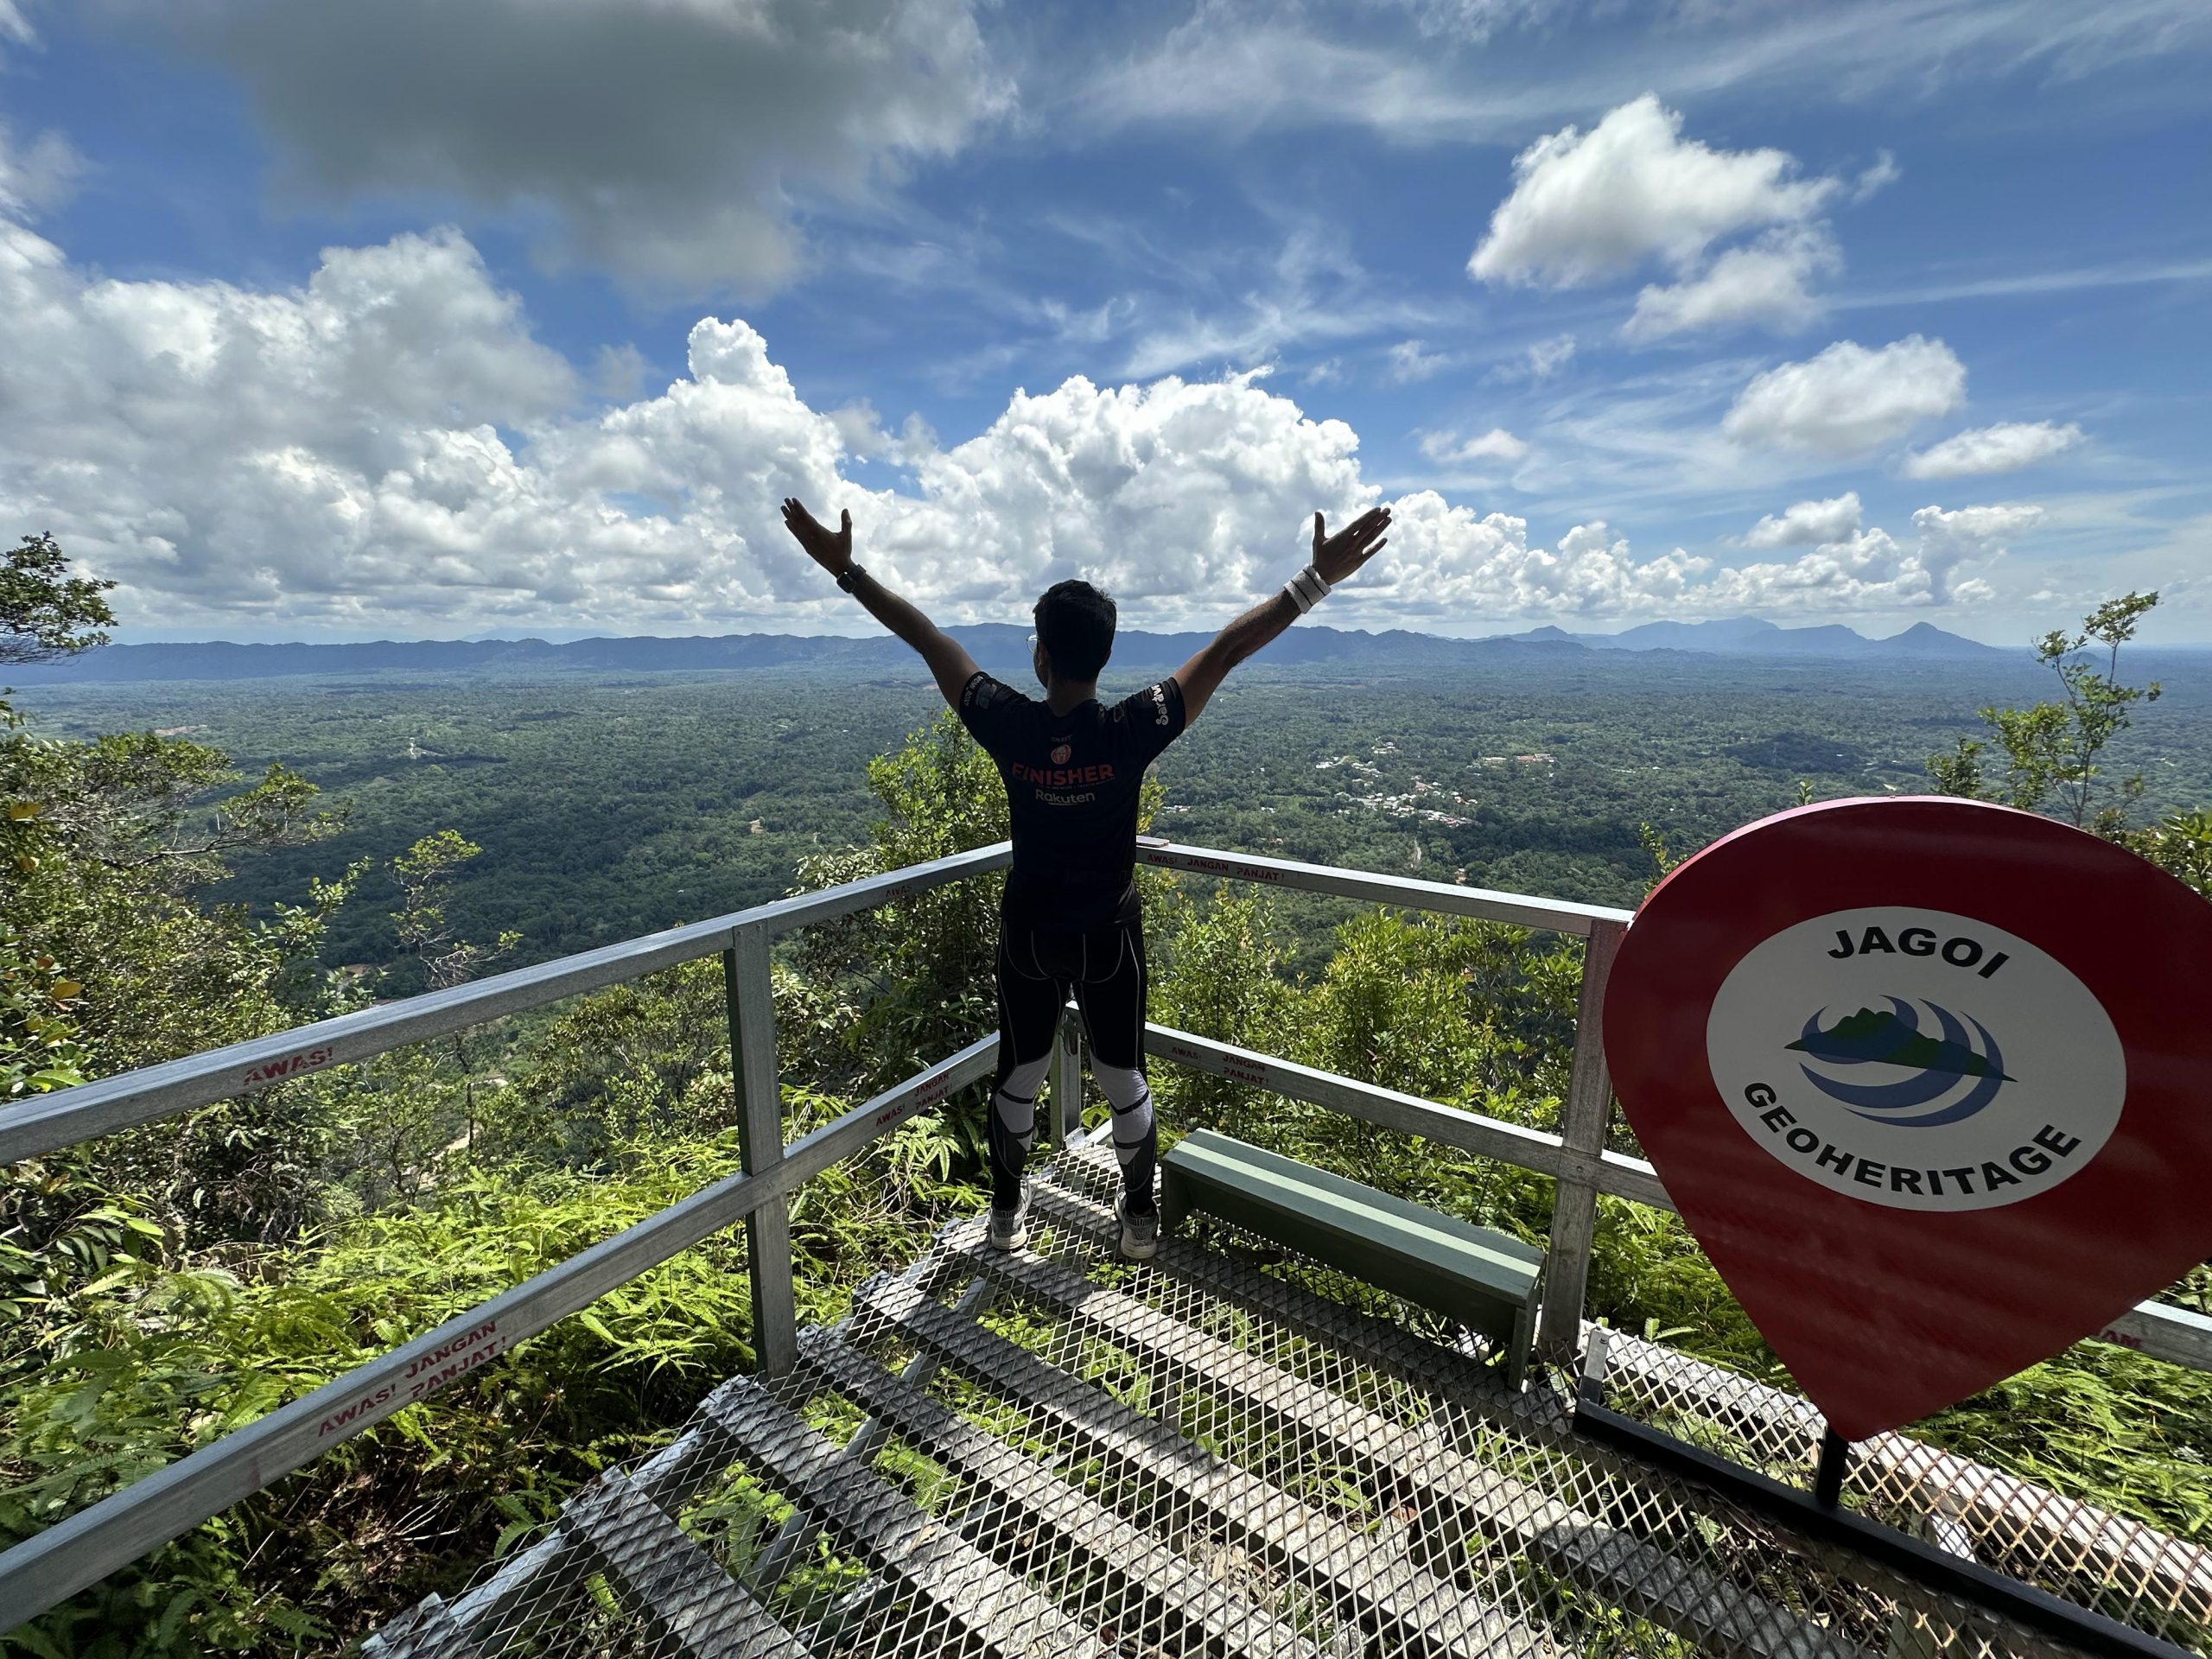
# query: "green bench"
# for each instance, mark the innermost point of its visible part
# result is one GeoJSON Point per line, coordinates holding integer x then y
{"type": "Point", "coordinates": [1484, 1280]}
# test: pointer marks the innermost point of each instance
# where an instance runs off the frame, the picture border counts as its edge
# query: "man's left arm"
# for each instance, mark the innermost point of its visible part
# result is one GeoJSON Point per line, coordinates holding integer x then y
{"type": "Point", "coordinates": [948, 659]}
{"type": "Point", "coordinates": [1335, 558]}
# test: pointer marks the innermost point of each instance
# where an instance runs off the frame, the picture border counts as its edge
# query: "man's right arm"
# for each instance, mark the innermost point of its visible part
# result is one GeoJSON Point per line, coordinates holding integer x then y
{"type": "Point", "coordinates": [950, 665]}
{"type": "Point", "coordinates": [1335, 558]}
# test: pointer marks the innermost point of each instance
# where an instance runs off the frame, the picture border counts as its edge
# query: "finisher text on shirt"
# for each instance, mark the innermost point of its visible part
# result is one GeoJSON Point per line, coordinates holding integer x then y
{"type": "Point", "coordinates": [1058, 777]}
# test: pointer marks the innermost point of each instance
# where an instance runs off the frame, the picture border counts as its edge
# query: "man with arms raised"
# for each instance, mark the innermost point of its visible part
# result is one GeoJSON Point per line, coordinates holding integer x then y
{"type": "Point", "coordinates": [1071, 922]}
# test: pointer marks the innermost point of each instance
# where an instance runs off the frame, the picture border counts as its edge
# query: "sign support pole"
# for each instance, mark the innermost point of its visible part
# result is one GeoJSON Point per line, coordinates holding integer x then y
{"type": "Point", "coordinates": [1574, 1199]}
{"type": "Point", "coordinates": [1828, 1473]}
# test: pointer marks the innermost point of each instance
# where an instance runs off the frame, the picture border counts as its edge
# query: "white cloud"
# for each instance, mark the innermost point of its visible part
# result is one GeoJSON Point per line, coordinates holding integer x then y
{"type": "Point", "coordinates": [1968, 536]}
{"type": "Point", "coordinates": [1448, 567]}
{"type": "Point", "coordinates": [1412, 361]}
{"type": "Point", "coordinates": [1809, 523]}
{"type": "Point", "coordinates": [1870, 569]}
{"type": "Point", "coordinates": [1848, 399]}
{"type": "Point", "coordinates": [224, 450]}
{"type": "Point", "coordinates": [1589, 207]}
{"type": "Point", "coordinates": [38, 177]}
{"type": "Point", "coordinates": [1547, 357]}
{"type": "Point", "coordinates": [386, 448]}
{"type": "Point", "coordinates": [667, 143]}
{"type": "Point", "coordinates": [1541, 360]}
{"type": "Point", "coordinates": [1496, 445]}
{"type": "Point", "coordinates": [1312, 293]}
{"type": "Point", "coordinates": [1469, 22]}
{"type": "Point", "coordinates": [1864, 56]}
{"type": "Point", "coordinates": [1765, 283]}
{"type": "Point", "coordinates": [2006, 447]}
{"type": "Point", "coordinates": [1884, 173]}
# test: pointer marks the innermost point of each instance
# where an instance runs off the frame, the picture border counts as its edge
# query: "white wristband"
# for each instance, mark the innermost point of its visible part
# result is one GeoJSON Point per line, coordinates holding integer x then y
{"type": "Point", "coordinates": [1307, 589]}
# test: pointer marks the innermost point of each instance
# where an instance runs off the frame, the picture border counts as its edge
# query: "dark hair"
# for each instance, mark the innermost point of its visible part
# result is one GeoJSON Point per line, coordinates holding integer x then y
{"type": "Point", "coordinates": [1075, 624]}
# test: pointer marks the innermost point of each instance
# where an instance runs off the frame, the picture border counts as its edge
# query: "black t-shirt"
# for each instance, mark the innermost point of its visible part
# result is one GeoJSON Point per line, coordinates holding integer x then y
{"type": "Point", "coordinates": [1071, 783]}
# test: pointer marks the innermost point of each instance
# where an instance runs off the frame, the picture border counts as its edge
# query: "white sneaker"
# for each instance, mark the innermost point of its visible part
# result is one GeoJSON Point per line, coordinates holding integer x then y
{"type": "Point", "coordinates": [1009, 1229]}
{"type": "Point", "coordinates": [1139, 1234]}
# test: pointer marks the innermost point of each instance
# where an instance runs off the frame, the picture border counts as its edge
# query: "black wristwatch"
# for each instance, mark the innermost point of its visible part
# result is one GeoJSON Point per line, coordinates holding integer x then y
{"type": "Point", "coordinates": [845, 577]}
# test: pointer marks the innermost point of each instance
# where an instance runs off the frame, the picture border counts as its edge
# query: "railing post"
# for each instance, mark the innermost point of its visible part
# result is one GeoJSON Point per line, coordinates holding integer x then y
{"type": "Point", "coordinates": [1067, 1078]}
{"type": "Point", "coordinates": [751, 996]}
{"type": "Point", "coordinates": [1582, 1134]}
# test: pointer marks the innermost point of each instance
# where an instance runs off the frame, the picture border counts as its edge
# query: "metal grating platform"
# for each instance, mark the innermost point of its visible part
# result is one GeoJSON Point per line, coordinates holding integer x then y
{"type": "Point", "coordinates": [1226, 1452]}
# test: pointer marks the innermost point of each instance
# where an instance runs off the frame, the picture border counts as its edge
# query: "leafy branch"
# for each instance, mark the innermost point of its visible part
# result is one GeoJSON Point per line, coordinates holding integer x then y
{"type": "Point", "coordinates": [2054, 751]}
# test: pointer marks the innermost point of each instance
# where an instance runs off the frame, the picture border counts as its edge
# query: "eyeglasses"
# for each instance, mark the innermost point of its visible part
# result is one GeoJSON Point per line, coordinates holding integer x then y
{"type": "Point", "coordinates": [1032, 642]}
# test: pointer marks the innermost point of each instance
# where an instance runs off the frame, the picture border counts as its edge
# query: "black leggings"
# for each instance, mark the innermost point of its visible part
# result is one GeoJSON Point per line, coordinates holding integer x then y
{"type": "Point", "coordinates": [1104, 970]}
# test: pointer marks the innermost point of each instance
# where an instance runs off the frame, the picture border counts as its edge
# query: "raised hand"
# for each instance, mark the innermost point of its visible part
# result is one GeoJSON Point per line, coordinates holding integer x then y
{"type": "Point", "coordinates": [1337, 557]}
{"type": "Point", "coordinates": [830, 548]}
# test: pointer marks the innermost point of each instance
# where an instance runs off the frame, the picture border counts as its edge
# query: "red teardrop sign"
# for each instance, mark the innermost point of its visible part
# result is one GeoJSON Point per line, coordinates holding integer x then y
{"type": "Point", "coordinates": [1930, 1080]}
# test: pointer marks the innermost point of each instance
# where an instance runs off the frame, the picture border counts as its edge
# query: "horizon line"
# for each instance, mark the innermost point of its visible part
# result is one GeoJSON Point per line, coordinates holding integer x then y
{"type": "Point", "coordinates": [570, 636]}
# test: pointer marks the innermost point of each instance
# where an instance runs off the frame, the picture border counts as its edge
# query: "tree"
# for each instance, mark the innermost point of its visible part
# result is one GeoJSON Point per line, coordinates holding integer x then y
{"type": "Point", "coordinates": [44, 612]}
{"type": "Point", "coordinates": [423, 871]}
{"type": "Point", "coordinates": [919, 971]}
{"type": "Point", "coordinates": [406, 1111]}
{"type": "Point", "coordinates": [2054, 751]}
{"type": "Point", "coordinates": [1219, 974]}
{"type": "Point", "coordinates": [111, 842]}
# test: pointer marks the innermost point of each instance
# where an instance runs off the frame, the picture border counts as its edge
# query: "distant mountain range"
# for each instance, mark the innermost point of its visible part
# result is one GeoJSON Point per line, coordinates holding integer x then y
{"type": "Point", "coordinates": [999, 647]}
{"type": "Point", "coordinates": [1751, 636]}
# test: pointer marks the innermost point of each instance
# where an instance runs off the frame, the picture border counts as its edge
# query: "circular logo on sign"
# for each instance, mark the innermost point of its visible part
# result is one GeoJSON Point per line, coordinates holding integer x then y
{"type": "Point", "coordinates": [1916, 1058]}
{"type": "Point", "coordinates": [1060, 753]}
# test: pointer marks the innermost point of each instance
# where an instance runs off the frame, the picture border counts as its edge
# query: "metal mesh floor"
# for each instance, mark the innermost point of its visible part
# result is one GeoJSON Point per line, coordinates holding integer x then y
{"type": "Point", "coordinates": [1230, 1451]}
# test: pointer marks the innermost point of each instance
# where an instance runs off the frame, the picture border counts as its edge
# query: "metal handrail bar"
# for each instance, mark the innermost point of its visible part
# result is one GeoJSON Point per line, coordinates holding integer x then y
{"type": "Point", "coordinates": [1539, 1150]}
{"type": "Point", "coordinates": [93, 1543]}
{"type": "Point", "coordinates": [68, 1116]}
{"type": "Point", "coordinates": [1552, 915]}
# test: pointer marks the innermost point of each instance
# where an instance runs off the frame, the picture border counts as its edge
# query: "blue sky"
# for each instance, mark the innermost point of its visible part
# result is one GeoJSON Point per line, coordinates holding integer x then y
{"type": "Point", "coordinates": [422, 319]}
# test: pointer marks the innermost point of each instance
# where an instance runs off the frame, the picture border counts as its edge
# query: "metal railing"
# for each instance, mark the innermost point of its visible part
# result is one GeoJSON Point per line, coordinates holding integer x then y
{"type": "Point", "coordinates": [79, 1551]}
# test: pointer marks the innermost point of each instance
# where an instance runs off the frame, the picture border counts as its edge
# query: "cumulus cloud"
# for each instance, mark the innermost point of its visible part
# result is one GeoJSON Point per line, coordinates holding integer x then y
{"type": "Point", "coordinates": [1768, 284]}
{"type": "Point", "coordinates": [1848, 400]}
{"type": "Point", "coordinates": [666, 143]}
{"type": "Point", "coordinates": [1870, 569]}
{"type": "Point", "coordinates": [1447, 563]}
{"type": "Point", "coordinates": [226, 450]}
{"type": "Point", "coordinates": [2004, 448]}
{"type": "Point", "coordinates": [1586, 207]}
{"type": "Point", "coordinates": [1968, 536]}
{"type": "Point", "coordinates": [386, 446]}
{"type": "Point", "coordinates": [1808, 523]}
{"type": "Point", "coordinates": [1497, 444]}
